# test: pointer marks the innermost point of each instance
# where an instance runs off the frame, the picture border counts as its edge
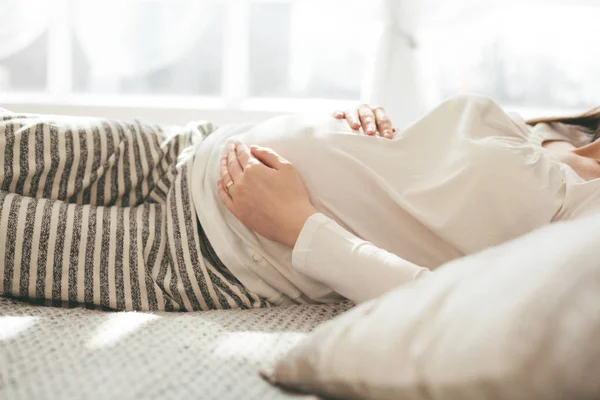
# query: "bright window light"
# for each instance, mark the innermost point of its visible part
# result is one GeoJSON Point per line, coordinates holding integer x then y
{"type": "Point", "coordinates": [12, 326]}
{"type": "Point", "coordinates": [117, 327]}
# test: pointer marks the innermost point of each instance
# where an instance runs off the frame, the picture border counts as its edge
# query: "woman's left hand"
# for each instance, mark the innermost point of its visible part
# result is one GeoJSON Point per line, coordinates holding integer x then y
{"type": "Point", "coordinates": [265, 192]}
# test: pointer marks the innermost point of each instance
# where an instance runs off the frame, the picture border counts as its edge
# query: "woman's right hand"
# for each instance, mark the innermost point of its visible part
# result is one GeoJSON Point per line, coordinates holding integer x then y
{"type": "Point", "coordinates": [372, 119]}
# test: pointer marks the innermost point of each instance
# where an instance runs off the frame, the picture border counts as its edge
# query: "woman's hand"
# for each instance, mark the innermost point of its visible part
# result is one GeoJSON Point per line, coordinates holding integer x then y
{"type": "Point", "coordinates": [373, 120]}
{"type": "Point", "coordinates": [265, 192]}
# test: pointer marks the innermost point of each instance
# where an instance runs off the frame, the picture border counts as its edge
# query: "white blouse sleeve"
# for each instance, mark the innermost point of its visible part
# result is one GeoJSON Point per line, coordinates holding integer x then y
{"type": "Point", "coordinates": [354, 268]}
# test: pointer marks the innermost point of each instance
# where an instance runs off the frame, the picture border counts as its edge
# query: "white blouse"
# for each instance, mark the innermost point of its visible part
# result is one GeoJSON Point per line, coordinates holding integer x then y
{"type": "Point", "coordinates": [464, 177]}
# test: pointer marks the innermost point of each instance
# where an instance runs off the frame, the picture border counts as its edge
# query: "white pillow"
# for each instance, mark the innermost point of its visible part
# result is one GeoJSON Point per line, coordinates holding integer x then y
{"type": "Point", "coordinates": [519, 321]}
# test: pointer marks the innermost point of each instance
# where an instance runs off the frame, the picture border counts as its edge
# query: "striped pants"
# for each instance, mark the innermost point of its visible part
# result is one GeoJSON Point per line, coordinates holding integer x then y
{"type": "Point", "coordinates": [99, 213]}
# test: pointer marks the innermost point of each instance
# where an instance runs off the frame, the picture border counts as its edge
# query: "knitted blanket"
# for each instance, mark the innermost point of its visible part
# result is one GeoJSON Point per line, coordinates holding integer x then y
{"type": "Point", "coordinates": [76, 353]}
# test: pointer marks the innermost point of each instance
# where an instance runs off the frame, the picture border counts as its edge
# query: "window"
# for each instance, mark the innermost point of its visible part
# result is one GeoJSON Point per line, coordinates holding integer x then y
{"type": "Point", "coordinates": [147, 48]}
{"type": "Point", "coordinates": [23, 52]}
{"type": "Point", "coordinates": [281, 55]}
{"type": "Point", "coordinates": [33, 78]}
{"type": "Point", "coordinates": [231, 50]}
{"type": "Point", "coordinates": [537, 55]}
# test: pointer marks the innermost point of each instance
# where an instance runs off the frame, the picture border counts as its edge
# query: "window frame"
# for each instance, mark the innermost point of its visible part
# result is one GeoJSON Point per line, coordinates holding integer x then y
{"type": "Point", "coordinates": [233, 103]}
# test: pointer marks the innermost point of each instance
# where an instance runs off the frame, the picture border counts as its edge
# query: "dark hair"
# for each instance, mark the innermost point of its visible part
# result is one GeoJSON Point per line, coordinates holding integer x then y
{"type": "Point", "coordinates": [589, 121]}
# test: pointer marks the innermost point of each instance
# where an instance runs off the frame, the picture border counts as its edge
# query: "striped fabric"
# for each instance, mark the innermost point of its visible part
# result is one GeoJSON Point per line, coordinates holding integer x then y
{"type": "Point", "coordinates": [99, 213]}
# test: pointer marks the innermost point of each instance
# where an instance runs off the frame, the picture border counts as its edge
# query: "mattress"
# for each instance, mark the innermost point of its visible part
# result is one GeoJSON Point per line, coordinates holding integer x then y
{"type": "Point", "coordinates": [75, 353]}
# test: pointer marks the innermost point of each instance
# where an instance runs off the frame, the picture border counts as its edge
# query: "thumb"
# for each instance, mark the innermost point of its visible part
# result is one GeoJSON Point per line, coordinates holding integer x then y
{"type": "Point", "coordinates": [267, 156]}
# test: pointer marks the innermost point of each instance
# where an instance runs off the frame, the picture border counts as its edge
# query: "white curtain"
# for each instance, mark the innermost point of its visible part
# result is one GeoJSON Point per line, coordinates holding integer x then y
{"type": "Point", "coordinates": [395, 79]}
{"type": "Point", "coordinates": [21, 23]}
{"type": "Point", "coordinates": [334, 41]}
{"type": "Point", "coordinates": [398, 79]}
{"type": "Point", "coordinates": [331, 39]}
{"type": "Point", "coordinates": [376, 42]}
{"type": "Point", "coordinates": [124, 39]}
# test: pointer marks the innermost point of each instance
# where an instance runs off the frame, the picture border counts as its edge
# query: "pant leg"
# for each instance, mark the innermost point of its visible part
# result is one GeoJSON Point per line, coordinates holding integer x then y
{"type": "Point", "coordinates": [112, 257]}
{"type": "Point", "coordinates": [147, 257]}
{"type": "Point", "coordinates": [91, 218]}
{"type": "Point", "coordinates": [199, 283]}
{"type": "Point", "coordinates": [85, 160]}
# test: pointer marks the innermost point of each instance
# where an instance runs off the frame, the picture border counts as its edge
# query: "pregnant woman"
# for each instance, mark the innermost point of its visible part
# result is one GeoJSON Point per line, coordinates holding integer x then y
{"type": "Point", "coordinates": [325, 211]}
{"type": "Point", "coordinates": [293, 210]}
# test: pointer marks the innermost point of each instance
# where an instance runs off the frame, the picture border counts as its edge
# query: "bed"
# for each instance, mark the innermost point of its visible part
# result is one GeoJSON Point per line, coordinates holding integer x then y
{"type": "Point", "coordinates": [75, 353]}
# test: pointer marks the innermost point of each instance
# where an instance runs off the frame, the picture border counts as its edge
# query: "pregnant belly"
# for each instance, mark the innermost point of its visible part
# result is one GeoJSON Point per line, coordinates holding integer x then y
{"type": "Point", "coordinates": [350, 178]}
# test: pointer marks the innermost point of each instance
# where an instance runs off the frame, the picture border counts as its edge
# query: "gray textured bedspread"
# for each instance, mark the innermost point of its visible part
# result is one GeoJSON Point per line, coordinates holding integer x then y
{"type": "Point", "coordinates": [59, 353]}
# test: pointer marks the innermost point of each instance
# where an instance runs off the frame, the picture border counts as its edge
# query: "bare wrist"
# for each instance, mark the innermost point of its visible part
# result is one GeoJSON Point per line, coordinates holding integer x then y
{"type": "Point", "coordinates": [296, 224]}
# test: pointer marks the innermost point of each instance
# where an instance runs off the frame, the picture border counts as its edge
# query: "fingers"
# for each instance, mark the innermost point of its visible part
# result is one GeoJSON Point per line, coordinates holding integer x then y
{"type": "Point", "coordinates": [225, 197]}
{"type": "Point", "coordinates": [233, 165]}
{"type": "Point", "coordinates": [268, 157]}
{"type": "Point", "coordinates": [225, 177]}
{"type": "Point", "coordinates": [371, 119]}
{"type": "Point", "coordinates": [352, 118]}
{"type": "Point", "coordinates": [367, 119]}
{"type": "Point", "coordinates": [384, 125]}
{"type": "Point", "coordinates": [245, 157]}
